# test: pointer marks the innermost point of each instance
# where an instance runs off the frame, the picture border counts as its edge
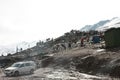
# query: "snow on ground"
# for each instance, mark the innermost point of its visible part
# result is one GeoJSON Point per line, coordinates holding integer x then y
{"type": "Point", "coordinates": [63, 74]}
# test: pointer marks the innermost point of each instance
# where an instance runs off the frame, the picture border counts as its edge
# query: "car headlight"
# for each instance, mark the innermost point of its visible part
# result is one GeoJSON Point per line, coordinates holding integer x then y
{"type": "Point", "coordinates": [9, 71]}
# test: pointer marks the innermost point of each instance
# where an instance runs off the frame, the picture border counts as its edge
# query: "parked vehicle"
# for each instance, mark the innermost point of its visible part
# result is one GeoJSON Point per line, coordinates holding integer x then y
{"type": "Point", "coordinates": [19, 68]}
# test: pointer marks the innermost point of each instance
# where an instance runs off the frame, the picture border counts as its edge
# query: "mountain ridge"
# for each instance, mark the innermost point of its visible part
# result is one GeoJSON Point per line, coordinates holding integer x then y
{"type": "Point", "coordinates": [102, 25]}
{"type": "Point", "coordinates": [4, 50]}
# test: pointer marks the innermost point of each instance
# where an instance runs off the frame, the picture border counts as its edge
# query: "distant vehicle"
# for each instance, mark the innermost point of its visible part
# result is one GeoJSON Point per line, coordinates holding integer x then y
{"type": "Point", "coordinates": [18, 68]}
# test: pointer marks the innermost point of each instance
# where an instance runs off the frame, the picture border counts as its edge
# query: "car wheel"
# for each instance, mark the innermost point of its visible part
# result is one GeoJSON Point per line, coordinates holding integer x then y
{"type": "Point", "coordinates": [31, 71]}
{"type": "Point", "coordinates": [16, 73]}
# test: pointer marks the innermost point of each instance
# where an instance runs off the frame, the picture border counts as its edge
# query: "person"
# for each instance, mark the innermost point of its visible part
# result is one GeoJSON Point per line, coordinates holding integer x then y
{"type": "Point", "coordinates": [69, 45]}
{"type": "Point", "coordinates": [63, 45]}
{"type": "Point", "coordinates": [82, 42]}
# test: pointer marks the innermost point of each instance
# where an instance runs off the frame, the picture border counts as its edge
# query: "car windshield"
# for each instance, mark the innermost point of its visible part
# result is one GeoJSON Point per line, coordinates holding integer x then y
{"type": "Point", "coordinates": [16, 65]}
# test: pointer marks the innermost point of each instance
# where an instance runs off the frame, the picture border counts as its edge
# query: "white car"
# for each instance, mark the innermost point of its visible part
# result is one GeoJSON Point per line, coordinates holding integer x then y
{"type": "Point", "coordinates": [19, 68]}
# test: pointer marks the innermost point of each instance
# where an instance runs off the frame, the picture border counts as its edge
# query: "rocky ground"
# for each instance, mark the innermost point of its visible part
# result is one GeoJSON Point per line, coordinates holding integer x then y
{"type": "Point", "coordinates": [77, 64]}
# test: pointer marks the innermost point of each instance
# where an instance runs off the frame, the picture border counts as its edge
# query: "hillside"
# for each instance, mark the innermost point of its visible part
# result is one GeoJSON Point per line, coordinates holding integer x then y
{"type": "Point", "coordinates": [77, 63]}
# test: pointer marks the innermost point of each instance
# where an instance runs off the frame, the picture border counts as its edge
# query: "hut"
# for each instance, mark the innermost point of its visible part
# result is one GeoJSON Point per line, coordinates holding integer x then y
{"type": "Point", "coordinates": [112, 38]}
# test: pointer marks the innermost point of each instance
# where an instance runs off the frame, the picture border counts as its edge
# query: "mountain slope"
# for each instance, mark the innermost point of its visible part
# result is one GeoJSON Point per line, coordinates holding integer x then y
{"type": "Point", "coordinates": [95, 26]}
{"type": "Point", "coordinates": [103, 25]}
{"type": "Point", "coordinates": [4, 50]}
{"type": "Point", "coordinates": [115, 22]}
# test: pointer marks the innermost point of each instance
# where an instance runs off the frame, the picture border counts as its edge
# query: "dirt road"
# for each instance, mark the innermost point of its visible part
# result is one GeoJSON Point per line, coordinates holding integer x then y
{"type": "Point", "coordinates": [53, 74]}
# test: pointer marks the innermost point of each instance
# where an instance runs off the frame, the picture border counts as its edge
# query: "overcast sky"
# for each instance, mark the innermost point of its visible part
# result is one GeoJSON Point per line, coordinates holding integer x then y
{"type": "Point", "coordinates": [30, 20]}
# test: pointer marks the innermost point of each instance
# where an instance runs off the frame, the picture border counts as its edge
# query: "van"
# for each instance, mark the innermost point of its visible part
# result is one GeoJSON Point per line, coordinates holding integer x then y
{"type": "Point", "coordinates": [19, 68]}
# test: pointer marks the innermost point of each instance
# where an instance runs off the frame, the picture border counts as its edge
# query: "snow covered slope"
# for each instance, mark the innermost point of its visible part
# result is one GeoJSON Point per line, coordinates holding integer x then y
{"type": "Point", "coordinates": [95, 26]}
{"type": "Point", "coordinates": [103, 25]}
{"type": "Point", "coordinates": [114, 23]}
{"type": "Point", "coordinates": [4, 50]}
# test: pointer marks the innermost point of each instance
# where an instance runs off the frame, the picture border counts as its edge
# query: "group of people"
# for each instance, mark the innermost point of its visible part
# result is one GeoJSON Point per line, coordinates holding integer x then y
{"type": "Point", "coordinates": [61, 47]}
{"type": "Point", "coordinates": [82, 42]}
